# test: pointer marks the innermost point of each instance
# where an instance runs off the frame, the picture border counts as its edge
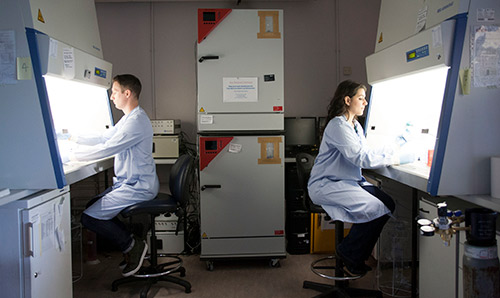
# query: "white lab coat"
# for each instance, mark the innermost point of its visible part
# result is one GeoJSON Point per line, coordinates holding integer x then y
{"type": "Point", "coordinates": [336, 178]}
{"type": "Point", "coordinates": [131, 141]}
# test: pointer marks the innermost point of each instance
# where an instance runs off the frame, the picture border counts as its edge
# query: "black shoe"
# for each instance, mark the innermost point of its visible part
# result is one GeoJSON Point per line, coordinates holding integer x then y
{"type": "Point", "coordinates": [136, 257]}
{"type": "Point", "coordinates": [124, 262]}
{"type": "Point", "coordinates": [355, 270]}
{"type": "Point", "coordinates": [350, 267]}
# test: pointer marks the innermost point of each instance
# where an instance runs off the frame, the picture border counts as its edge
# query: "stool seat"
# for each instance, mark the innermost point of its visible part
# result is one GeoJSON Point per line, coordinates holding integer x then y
{"type": "Point", "coordinates": [162, 203]}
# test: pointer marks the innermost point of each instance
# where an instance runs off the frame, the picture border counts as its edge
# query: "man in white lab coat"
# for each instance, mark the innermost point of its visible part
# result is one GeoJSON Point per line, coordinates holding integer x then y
{"type": "Point", "coordinates": [130, 140]}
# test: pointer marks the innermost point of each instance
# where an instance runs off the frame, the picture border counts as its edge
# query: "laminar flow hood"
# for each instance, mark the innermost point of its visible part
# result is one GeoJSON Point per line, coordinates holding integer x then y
{"type": "Point", "coordinates": [431, 88]}
{"type": "Point", "coordinates": [53, 79]}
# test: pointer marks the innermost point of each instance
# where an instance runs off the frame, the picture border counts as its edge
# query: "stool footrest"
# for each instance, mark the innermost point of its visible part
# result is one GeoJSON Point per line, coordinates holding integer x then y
{"type": "Point", "coordinates": [345, 275]}
{"type": "Point", "coordinates": [160, 270]}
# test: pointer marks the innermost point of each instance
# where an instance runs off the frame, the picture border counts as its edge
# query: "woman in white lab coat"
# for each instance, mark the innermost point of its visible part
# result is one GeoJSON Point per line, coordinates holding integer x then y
{"type": "Point", "coordinates": [336, 182]}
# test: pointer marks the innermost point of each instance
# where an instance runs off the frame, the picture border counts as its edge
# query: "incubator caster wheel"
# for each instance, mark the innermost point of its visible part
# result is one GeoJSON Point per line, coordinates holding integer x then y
{"type": "Point", "coordinates": [274, 263]}
{"type": "Point", "coordinates": [210, 266]}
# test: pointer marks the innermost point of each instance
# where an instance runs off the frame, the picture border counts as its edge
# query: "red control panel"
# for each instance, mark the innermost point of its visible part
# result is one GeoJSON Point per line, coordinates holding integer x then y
{"type": "Point", "coordinates": [210, 147]}
{"type": "Point", "coordinates": [208, 19]}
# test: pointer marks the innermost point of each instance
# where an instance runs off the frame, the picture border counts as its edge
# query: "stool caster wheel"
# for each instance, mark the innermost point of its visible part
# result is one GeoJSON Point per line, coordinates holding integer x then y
{"type": "Point", "coordinates": [274, 263]}
{"type": "Point", "coordinates": [210, 266]}
{"type": "Point", "coordinates": [182, 271]}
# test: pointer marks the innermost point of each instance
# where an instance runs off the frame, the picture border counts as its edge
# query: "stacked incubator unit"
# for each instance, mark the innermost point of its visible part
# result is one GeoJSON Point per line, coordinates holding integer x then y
{"type": "Point", "coordinates": [240, 128]}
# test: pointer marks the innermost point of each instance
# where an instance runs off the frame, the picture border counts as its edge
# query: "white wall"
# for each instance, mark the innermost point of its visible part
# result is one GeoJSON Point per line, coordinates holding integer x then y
{"type": "Point", "coordinates": [156, 41]}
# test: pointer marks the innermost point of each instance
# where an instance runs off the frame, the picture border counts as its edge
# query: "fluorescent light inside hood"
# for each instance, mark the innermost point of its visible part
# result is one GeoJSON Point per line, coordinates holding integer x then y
{"type": "Point", "coordinates": [77, 107]}
{"type": "Point", "coordinates": [408, 105]}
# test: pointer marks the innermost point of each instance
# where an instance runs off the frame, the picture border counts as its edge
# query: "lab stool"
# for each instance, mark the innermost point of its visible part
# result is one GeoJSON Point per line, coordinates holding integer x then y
{"type": "Point", "coordinates": [334, 272]}
{"type": "Point", "coordinates": [155, 272]}
{"type": "Point", "coordinates": [181, 177]}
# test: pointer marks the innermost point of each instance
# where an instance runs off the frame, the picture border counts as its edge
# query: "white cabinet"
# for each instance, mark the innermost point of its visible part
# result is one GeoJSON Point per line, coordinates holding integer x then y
{"type": "Point", "coordinates": [35, 255]}
{"type": "Point", "coordinates": [438, 263]}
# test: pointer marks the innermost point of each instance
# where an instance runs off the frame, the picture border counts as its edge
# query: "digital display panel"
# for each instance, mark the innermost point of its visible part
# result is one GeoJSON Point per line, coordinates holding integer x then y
{"type": "Point", "coordinates": [418, 53]}
{"type": "Point", "coordinates": [209, 16]}
{"type": "Point", "coordinates": [211, 145]}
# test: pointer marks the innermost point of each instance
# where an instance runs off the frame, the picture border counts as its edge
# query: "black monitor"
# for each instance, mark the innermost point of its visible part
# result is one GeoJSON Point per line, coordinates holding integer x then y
{"type": "Point", "coordinates": [300, 131]}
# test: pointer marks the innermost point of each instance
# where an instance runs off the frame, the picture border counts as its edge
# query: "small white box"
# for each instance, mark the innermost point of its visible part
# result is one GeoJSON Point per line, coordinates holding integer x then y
{"type": "Point", "coordinates": [166, 146]}
{"type": "Point", "coordinates": [168, 242]}
{"type": "Point", "coordinates": [166, 223]}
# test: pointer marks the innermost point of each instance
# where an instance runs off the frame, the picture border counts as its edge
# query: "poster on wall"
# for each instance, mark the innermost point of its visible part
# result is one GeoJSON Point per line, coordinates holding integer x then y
{"type": "Point", "coordinates": [485, 57]}
{"type": "Point", "coordinates": [7, 57]}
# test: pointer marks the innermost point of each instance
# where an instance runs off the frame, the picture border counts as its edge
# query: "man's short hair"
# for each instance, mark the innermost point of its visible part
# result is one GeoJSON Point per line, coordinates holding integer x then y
{"type": "Point", "coordinates": [128, 81]}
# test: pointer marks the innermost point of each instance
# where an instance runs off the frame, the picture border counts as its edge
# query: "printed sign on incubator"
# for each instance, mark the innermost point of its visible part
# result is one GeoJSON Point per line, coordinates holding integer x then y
{"type": "Point", "coordinates": [240, 89]}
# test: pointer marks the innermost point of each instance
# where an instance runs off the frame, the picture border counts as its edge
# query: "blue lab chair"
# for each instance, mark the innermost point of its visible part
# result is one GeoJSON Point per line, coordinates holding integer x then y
{"type": "Point", "coordinates": [181, 177]}
{"type": "Point", "coordinates": [337, 273]}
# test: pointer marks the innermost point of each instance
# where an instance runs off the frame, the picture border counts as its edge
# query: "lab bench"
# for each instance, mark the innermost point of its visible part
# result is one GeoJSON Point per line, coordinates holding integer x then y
{"type": "Point", "coordinates": [74, 172]}
{"type": "Point", "coordinates": [429, 252]}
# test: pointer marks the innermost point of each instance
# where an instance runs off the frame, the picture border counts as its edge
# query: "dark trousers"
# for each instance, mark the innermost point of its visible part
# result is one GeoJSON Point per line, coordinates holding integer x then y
{"type": "Point", "coordinates": [358, 245]}
{"type": "Point", "coordinates": [112, 229]}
